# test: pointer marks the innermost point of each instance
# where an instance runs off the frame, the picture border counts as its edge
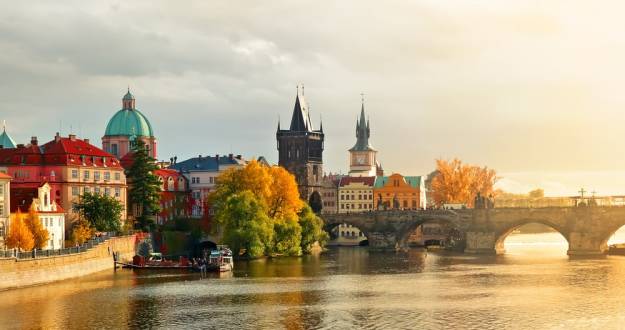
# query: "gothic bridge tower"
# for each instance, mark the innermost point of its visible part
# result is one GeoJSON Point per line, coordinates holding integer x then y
{"type": "Point", "coordinates": [300, 151]}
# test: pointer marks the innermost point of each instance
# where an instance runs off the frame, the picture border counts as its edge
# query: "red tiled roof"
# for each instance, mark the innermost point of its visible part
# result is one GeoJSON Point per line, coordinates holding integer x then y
{"type": "Point", "coordinates": [5, 176]}
{"type": "Point", "coordinates": [60, 151]}
{"type": "Point", "coordinates": [367, 180]}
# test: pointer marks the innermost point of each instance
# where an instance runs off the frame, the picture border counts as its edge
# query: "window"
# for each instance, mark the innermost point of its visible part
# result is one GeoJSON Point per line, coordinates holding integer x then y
{"type": "Point", "coordinates": [74, 174]}
{"type": "Point", "coordinates": [96, 190]}
{"type": "Point", "coordinates": [107, 191]}
{"type": "Point", "coordinates": [86, 175]}
{"type": "Point", "coordinates": [211, 180]}
{"type": "Point", "coordinates": [96, 175]}
{"type": "Point", "coordinates": [117, 192]}
{"type": "Point", "coordinates": [75, 191]}
{"type": "Point", "coordinates": [114, 149]}
{"type": "Point", "coordinates": [107, 176]}
{"type": "Point", "coordinates": [86, 190]}
{"type": "Point", "coordinates": [117, 176]}
{"type": "Point", "coordinates": [2, 209]}
{"type": "Point", "coordinates": [1, 190]}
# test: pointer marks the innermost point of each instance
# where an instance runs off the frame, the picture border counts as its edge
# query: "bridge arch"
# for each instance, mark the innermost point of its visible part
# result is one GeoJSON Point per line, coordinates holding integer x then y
{"type": "Point", "coordinates": [502, 234]}
{"type": "Point", "coordinates": [610, 231]}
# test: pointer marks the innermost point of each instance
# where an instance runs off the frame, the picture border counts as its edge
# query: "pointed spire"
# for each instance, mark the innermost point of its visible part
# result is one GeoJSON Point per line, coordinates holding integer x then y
{"type": "Point", "coordinates": [5, 139]}
{"type": "Point", "coordinates": [300, 121]}
{"type": "Point", "coordinates": [320, 123]}
{"type": "Point", "coordinates": [362, 129]}
{"type": "Point", "coordinates": [278, 122]}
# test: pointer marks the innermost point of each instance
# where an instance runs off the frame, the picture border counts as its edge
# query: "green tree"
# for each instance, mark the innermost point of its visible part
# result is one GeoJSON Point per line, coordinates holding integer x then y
{"type": "Point", "coordinates": [312, 230]}
{"type": "Point", "coordinates": [145, 187]}
{"type": "Point", "coordinates": [246, 226]}
{"type": "Point", "coordinates": [102, 212]}
{"type": "Point", "coordinates": [287, 237]}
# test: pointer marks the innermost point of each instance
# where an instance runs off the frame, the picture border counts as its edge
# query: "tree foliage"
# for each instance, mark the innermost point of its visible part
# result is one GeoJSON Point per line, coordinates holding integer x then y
{"type": "Point", "coordinates": [247, 228]}
{"type": "Point", "coordinates": [145, 186]}
{"type": "Point", "coordinates": [457, 182]}
{"type": "Point", "coordinates": [257, 208]}
{"type": "Point", "coordinates": [82, 231]}
{"type": "Point", "coordinates": [102, 212]}
{"type": "Point", "coordinates": [19, 236]}
{"type": "Point", "coordinates": [39, 233]}
{"type": "Point", "coordinates": [312, 229]}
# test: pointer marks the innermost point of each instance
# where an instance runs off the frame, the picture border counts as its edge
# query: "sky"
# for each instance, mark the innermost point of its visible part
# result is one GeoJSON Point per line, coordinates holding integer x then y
{"type": "Point", "coordinates": [529, 88]}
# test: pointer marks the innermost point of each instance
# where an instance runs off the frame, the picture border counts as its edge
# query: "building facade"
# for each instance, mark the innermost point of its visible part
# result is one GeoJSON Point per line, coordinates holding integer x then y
{"type": "Point", "coordinates": [356, 194]}
{"type": "Point", "coordinates": [346, 235]}
{"type": "Point", "coordinates": [126, 127]}
{"type": "Point", "coordinates": [399, 192]}
{"type": "Point", "coordinates": [300, 151]}
{"type": "Point", "coordinates": [362, 156]}
{"type": "Point", "coordinates": [201, 173]}
{"type": "Point", "coordinates": [71, 166]}
{"type": "Point", "coordinates": [175, 196]}
{"type": "Point", "coordinates": [5, 206]}
{"type": "Point", "coordinates": [329, 193]}
{"type": "Point", "coordinates": [51, 216]}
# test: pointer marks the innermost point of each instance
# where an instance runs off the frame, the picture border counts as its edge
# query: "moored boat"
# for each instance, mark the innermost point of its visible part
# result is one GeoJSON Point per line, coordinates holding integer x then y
{"type": "Point", "coordinates": [220, 259]}
{"type": "Point", "coordinates": [617, 249]}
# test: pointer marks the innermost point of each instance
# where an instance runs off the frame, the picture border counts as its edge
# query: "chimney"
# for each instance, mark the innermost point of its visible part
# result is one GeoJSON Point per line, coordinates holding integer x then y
{"type": "Point", "coordinates": [57, 137]}
{"type": "Point", "coordinates": [86, 141]}
{"type": "Point", "coordinates": [72, 137]}
{"type": "Point", "coordinates": [199, 157]}
{"type": "Point", "coordinates": [230, 156]}
{"type": "Point", "coordinates": [239, 157]}
{"type": "Point", "coordinates": [33, 140]}
{"type": "Point", "coordinates": [217, 157]}
{"type": "Point", "coordinates": [21, 145]}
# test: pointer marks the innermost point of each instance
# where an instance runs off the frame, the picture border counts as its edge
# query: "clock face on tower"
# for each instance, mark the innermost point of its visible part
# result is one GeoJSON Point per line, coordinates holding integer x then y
{"type": "Point", "coordinates": [360, 159]}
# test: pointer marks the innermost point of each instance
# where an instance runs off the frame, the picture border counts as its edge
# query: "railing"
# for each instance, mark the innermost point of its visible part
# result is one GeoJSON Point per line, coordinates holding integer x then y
{"type": "Point", "coordinates": [35, 254]}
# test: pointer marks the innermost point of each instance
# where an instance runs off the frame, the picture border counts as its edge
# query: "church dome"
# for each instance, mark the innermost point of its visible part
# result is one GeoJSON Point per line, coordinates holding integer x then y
{"type": "Point", "coordinates": [129, 121]}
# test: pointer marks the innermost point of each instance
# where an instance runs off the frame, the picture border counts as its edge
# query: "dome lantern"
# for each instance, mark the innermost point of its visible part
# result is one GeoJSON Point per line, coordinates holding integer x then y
{"type": "Point", "coordinates": [128, 102]}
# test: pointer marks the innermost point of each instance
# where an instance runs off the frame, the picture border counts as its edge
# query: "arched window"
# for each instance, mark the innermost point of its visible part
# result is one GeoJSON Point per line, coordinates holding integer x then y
{"type": "Point", "coordinates": [170, 183]}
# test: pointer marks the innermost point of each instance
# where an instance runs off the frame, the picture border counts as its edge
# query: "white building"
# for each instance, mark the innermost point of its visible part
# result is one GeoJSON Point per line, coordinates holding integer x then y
{"type": "Point", "coordinates": [202, 173]}
{"type": "Point", "coordinates": [5, 205]}
{"type": "Point", "coordinates": [52, 217]}
{"type": "Point", "coordinates": [346, 235]}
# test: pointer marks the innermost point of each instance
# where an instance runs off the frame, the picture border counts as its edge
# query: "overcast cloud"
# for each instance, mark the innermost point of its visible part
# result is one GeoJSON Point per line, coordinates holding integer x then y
{"type": "Point", "coordinates": [523, 87]}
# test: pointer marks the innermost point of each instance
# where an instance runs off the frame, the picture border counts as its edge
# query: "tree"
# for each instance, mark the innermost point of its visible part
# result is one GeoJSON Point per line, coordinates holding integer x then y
{"type": "Point", "coordinates": [33, 223]}
{"type": "Point", "coordinates": [102, 212]}
{"type": "Point", "coordinates": [537, 193]}
{"type": "Point", "coordinates": [312, 229]}
{"type": "Point", "coordinates": [82, 231]}
{"type": "Point", "coordinates": [459, 183]}
{"type": "Point", "coordinates": [145, 186]}
{"type": "Point", "coordinates": [247, 228]}
{"type": "Point", "coordinates": [287, 237]}
{"type": "Point", "coordinates": [283, 200]}
{"type": "Point", "coordinates": [19, 236]}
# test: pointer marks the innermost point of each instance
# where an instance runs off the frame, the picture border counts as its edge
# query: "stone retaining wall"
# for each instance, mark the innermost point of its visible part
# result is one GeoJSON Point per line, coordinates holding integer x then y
{"type": "Point", "coordinates": [27, 272]}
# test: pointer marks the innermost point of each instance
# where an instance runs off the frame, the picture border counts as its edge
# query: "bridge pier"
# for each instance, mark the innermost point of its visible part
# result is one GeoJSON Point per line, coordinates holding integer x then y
{"type": "Point", "coordinates": [382, 241]}
{"type": "Point", "coordinates": [587, 243]}
{"type": "Point", "coordinates": [482, 242]}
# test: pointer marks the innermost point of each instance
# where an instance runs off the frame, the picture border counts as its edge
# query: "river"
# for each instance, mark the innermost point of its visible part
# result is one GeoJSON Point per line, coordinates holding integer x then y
{"type": "Point", "coordinates": [534, 285]}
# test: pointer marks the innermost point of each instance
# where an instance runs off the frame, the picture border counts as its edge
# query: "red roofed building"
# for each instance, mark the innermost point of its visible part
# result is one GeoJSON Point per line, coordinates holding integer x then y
{"type": "Point", "coordinates": [71, 167]}
{"type": "Point", "coordinates": [5, 202]}
{"type": "Point", "coordinates": [175, 196]}
{"type": "Point", "coordinates": [356, 194]}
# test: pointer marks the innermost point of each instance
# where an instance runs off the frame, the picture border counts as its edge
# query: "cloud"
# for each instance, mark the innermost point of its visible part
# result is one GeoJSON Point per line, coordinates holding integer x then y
{"type": "Point", "coordinates": [523, 86]}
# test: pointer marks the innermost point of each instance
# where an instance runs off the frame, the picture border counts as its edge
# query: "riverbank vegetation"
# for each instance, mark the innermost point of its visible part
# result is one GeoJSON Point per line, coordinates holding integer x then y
{"type": "Point", "coordinates": [259, 213]}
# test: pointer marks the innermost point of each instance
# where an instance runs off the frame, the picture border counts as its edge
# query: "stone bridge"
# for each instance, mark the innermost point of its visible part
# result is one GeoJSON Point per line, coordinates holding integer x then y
{"type": "Point", "coordinates": [586, 229]}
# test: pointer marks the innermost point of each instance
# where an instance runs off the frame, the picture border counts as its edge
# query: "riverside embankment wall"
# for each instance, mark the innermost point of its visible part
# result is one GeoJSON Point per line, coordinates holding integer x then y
{"type": "Point", "coordinates": [17, 273]}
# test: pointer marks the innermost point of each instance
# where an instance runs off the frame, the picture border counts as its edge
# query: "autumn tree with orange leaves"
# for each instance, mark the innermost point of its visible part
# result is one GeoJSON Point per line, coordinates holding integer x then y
{"type": "Point", "coordinates": [40, 234]}
{"type": "Point", "coordinates": [456, 182]}
{"type": "Point", "coordinates": [259, 211]}
{"type": "Point", "coordinates": [19, 236]}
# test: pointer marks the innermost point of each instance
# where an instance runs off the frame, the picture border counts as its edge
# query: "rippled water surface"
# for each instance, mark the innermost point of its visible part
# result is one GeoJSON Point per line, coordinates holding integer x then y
{"type": "Point", "coordinates": [535, 285]}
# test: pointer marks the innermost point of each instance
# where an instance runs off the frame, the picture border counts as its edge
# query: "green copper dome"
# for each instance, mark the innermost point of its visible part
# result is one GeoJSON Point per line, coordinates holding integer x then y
{"type": "Point", "coordinates": [129, 121]}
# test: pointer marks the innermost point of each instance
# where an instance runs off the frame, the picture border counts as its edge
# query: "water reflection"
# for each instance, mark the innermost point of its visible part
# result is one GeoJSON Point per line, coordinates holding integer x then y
{"type": "Point", "coordinates": [535, 285]}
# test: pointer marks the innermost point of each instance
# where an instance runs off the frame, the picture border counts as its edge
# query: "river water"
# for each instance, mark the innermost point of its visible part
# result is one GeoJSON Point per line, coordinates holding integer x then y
{"type": "Point", "coordinates": [535, 285]}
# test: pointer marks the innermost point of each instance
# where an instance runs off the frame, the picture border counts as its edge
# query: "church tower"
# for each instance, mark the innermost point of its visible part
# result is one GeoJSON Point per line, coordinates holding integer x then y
{"type": "Point", "coordinates": [300, 151]}
{"type": "Point", "coordinates": [362, 156]}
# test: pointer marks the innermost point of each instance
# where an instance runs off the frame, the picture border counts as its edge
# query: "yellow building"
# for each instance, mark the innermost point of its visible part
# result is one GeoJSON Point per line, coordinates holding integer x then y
{"type": "Point", "coordinates": [356, 194]}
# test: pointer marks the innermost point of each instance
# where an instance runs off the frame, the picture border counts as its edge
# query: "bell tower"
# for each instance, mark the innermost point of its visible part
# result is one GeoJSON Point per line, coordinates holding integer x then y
{"type": "Point", "coordinates": [362, 156]}
{"type": "Point", "coordinates": [300, 151]}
